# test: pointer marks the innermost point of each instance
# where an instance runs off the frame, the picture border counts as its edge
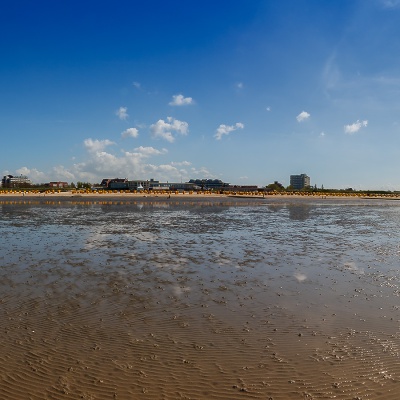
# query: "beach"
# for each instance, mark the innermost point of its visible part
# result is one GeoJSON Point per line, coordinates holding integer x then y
{"type": "Point", "coordinates": [110, 195]}
{"type": "Point", "coordinates": [198, 296]}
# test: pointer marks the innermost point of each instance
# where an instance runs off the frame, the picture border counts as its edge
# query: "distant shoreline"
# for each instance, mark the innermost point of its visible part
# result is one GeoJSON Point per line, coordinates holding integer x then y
{"type": "Point", "coordinates": [94, 196]}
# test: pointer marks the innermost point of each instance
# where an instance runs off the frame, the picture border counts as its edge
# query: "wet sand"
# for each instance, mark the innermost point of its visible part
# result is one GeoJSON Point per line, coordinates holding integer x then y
{"type": "Point", "coordinates": [197, 298]}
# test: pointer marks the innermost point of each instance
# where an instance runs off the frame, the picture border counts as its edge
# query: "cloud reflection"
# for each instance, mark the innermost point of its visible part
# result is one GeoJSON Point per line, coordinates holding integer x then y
{"type": "Point", "coordinates": [300, 277]}
{"type": "Point", "coordinates": [352, 267]}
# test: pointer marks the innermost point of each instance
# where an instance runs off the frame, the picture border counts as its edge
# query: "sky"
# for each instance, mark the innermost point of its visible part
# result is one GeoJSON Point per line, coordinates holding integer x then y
{"type": "Point", "coordinates": [249, 92]}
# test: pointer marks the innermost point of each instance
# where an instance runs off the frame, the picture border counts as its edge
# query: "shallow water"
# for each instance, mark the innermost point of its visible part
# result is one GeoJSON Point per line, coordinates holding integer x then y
{"type": "Point", "coordinates": [273, 299]}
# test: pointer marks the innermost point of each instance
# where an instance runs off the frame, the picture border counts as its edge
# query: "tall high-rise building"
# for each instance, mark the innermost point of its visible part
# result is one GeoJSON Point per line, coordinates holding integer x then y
{"type": "Point", "coordinates": [299, 181]}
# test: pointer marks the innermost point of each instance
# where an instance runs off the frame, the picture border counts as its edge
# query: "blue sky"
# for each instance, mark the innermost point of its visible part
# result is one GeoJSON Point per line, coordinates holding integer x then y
{"type": "Point", "coordinates": [245, 91]}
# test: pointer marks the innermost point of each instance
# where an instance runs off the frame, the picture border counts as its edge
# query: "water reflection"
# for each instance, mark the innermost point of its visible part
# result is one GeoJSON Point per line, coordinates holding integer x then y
{"type": "Point", "coordinates": [299, 212]}
{"type": "Point", "coordinates": [276, 207]}
{"type": "Point", "coordinates": [228, 233]}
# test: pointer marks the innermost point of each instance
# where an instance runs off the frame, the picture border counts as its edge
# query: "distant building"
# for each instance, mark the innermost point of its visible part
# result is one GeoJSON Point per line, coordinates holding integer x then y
{"type": "Point", "coordinates": [207, 184]}
{"type": "Point", "coordinates": [156, 185]}
{"type": "Point", "coordinates": [140, 184]}
{"type": "Point", "coordinates": [183, 186]}
{"type": "Point", "coordinates": [104, 183]}
{"type": "Point", "coordinates": [115, 184]}
{"type": "Point", "coordinates": [15, 181]}
{"type": "Point", "coordinates": [57, 184]}
{"type": "Point", "coordinates": [118, 184]}
{"type": "Point", "coordinates": [174, 186]}
{"type": "Point", "coordinates": [299, 181]}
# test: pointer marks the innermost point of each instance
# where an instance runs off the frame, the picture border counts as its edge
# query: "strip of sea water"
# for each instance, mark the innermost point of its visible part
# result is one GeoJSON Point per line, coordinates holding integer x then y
{"type": "Point", "coordinates": [273, 298]}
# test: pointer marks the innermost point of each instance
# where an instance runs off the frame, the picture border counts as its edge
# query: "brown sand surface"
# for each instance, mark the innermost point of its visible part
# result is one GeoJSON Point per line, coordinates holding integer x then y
{"type": "Point", "coordinates": [174, 306]}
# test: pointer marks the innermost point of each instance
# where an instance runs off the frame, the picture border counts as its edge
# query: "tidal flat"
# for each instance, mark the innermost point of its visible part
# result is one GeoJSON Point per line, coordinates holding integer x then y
{"type": "Point", "coordinates": [227, 298]}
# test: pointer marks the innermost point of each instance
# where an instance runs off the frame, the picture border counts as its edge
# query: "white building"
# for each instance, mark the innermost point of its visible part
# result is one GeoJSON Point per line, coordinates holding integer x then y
{"type": "Point", "coordinates": [15, 181]}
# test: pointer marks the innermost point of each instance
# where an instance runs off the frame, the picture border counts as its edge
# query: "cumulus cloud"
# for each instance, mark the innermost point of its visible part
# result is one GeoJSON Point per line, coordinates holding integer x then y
{"type": "Point", "coordinates": [164, 129]}
{"type": "Point", "coordinates": [32, 173]}
{"type": "Point", "coordinates": [122, 113]}
{"type": "Point", "coordinates": [181, 163]}
{"type": "Point", "coordinates": [355, 127]}
{"type": "Point", "coordinates": [180, 100]}
{"type": "Point", "coordinates": [303, 116]}
{"type": "Point", "coordinates": [227, 129]}
{"type": "Point", "coordinates": [130, 132]}
{"type": "Point", "coordinates": [57, 173]}
{"type": "Point", "coordinates": [132, 165]}
{"type": "Point", "coordinates": [201, 172]}
{"type": "Point", "coordinates": [149, 151]}
{"type": "Point", "coordinates": [62, 173]}
{"type": "Point", "coordinates": [99, 163]}
{"type": "Point", "coordinates": [95, 146]}
{"type": "Point", "coordinates": [136, 85]}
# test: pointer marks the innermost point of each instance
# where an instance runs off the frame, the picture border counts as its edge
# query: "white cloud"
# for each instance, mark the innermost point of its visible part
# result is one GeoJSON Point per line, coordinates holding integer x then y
{"type": "Point", "coordinates": [331, 75]}
{"type": "Point", "coordinates": [181, 163]}
{"type": "Point", "coordinates": [136, 85]}
{"type": "Point", "coordinates": [98, 163]}
{"type": "Point", "coordinates": [122, 113]}
{"type": "Point", "coordinates": [239, 85]}
{"type": "Point", "coordinates": [322, 134]}
{"type": "Point", "coordinates": [131, 165]}
{"type": "Point", "coordinates": [33, 174]}
{"type": "Point", "coordinates": [149, 151]}
{"type": "Point", "coordinates": [130, 132]}
{"type": "Point", "coordinates": [268, 108]}
{"type": "Point", "coordinates": [167, 168]}
{"type": "Point", "coordinates": [57, 173]}
{"type": "Point", "coordinates": [226, 129]}
{"type": "Point", "coordinates": [180, 100]}
{"type": "Point", "coordinates": [163, 129]}
{"type": "Point", "coordinates": [61, 173]}
{"type": "Point", "coordinates": [201, 172]}
{"type": "Point", "coordinates": [95, 146]}
{"type": "Point", "coordinates": [391, 3]}
{"type": "Point", "coordinates": [303, 116]}
{"type": "Point", "coordinates": [355, 127]}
